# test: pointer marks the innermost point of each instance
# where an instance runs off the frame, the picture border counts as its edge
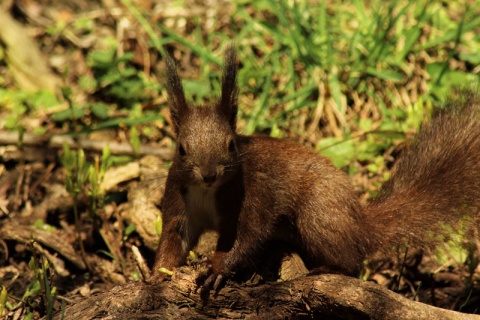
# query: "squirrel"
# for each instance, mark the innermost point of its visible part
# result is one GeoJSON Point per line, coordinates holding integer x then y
{"type": "Point", "coordinates": [253, 189]}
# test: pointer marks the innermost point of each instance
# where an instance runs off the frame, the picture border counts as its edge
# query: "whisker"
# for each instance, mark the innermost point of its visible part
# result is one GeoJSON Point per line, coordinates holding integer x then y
{"type": "Point", "coordinates": [153, 178]}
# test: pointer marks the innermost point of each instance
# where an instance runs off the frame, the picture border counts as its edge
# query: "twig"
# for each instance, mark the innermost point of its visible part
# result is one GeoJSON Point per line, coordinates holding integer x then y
{"type": "Point", "coordinates": [141, 264]}
{"type": "Point", "coordinates": [57, 142]}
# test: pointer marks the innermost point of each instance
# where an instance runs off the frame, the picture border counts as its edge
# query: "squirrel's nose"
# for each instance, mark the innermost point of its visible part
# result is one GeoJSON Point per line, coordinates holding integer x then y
{"type": "Point", "coordinates": [209, 178]}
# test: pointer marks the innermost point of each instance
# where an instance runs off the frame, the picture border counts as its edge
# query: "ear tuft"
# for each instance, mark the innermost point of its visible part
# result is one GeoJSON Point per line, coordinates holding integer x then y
{"type": "Point", "coordinates": [228, 105]}
{"type": "Point", "coordinates": [176, 96]}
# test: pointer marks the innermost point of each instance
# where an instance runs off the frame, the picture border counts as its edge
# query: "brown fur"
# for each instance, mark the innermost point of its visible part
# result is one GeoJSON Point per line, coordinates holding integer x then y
{"type": "Point", "coordinates": [437, 180]}
{"type": "Point", "coordinates": [255, 189]}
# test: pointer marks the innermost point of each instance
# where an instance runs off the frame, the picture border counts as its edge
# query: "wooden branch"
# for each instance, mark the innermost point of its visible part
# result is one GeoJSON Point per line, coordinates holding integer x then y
{"type": "Point", "coordinates": [24, 234]}
{"type": "Point", "coordinates": [321, 296]}
{"type": "Point", "coordinates": [57, 141]}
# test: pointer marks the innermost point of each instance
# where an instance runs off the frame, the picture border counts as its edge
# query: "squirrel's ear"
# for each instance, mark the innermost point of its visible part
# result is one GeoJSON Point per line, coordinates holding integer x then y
{"type": "Point", "coordinates": [176, 97]}
{"type": "Point", "coordinates": [228, 105]}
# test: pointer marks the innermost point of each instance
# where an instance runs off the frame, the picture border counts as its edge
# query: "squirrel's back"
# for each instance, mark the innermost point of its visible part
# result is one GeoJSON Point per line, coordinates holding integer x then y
{"type": "Point", "coordinates": [437, 180]}
{"type": "Point", "coordinates": [323, 218]}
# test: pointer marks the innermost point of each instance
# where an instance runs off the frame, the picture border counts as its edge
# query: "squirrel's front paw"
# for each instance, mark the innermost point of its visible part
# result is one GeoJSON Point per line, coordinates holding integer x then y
{"type": "Point", "coordinates": [214, 274]}
{"type": "Point", "coordinates": [210, 280]}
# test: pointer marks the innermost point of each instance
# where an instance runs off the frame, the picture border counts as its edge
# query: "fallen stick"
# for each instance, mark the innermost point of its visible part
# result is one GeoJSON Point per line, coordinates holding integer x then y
{"type": "Point", "coordinates": [57, 141]}
{"type": "Point", "coordinates": [315, 297]}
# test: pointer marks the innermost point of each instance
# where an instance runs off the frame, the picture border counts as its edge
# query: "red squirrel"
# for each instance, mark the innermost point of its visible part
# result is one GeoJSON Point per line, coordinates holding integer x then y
{"type": "Point", "coordinates": [253, 189]}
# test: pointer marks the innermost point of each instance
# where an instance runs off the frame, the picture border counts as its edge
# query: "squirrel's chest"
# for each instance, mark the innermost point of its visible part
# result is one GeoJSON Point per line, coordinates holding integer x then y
{"type": "Point", "coordinates": [200, 206]}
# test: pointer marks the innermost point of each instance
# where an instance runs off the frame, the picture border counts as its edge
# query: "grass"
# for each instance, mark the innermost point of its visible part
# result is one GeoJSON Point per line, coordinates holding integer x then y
{"type": "Point", "coordinates": [312, 70]}
{"type": "Point", "coordinates": [349, 79]}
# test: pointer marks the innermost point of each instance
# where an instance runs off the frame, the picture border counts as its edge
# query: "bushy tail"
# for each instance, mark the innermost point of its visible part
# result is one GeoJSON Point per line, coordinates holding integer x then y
{"type": "Point", "coordinates": [437, 180]}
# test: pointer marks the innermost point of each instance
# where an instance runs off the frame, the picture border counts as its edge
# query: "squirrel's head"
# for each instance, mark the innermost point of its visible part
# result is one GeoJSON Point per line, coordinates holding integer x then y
{"type": "Point", "coordinates": [206, 135]}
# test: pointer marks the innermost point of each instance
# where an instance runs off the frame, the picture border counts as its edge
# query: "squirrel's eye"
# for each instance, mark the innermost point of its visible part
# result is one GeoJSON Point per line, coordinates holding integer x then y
{"type": "Point", "coordinates": [181, 151]}
{"type": "Point", "coordinates": [231, 146]}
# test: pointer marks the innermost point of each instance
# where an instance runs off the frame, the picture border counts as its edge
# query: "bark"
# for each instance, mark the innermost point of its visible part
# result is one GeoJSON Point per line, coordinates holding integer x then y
{"type": "Point", "coordinates": [319, 296]}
